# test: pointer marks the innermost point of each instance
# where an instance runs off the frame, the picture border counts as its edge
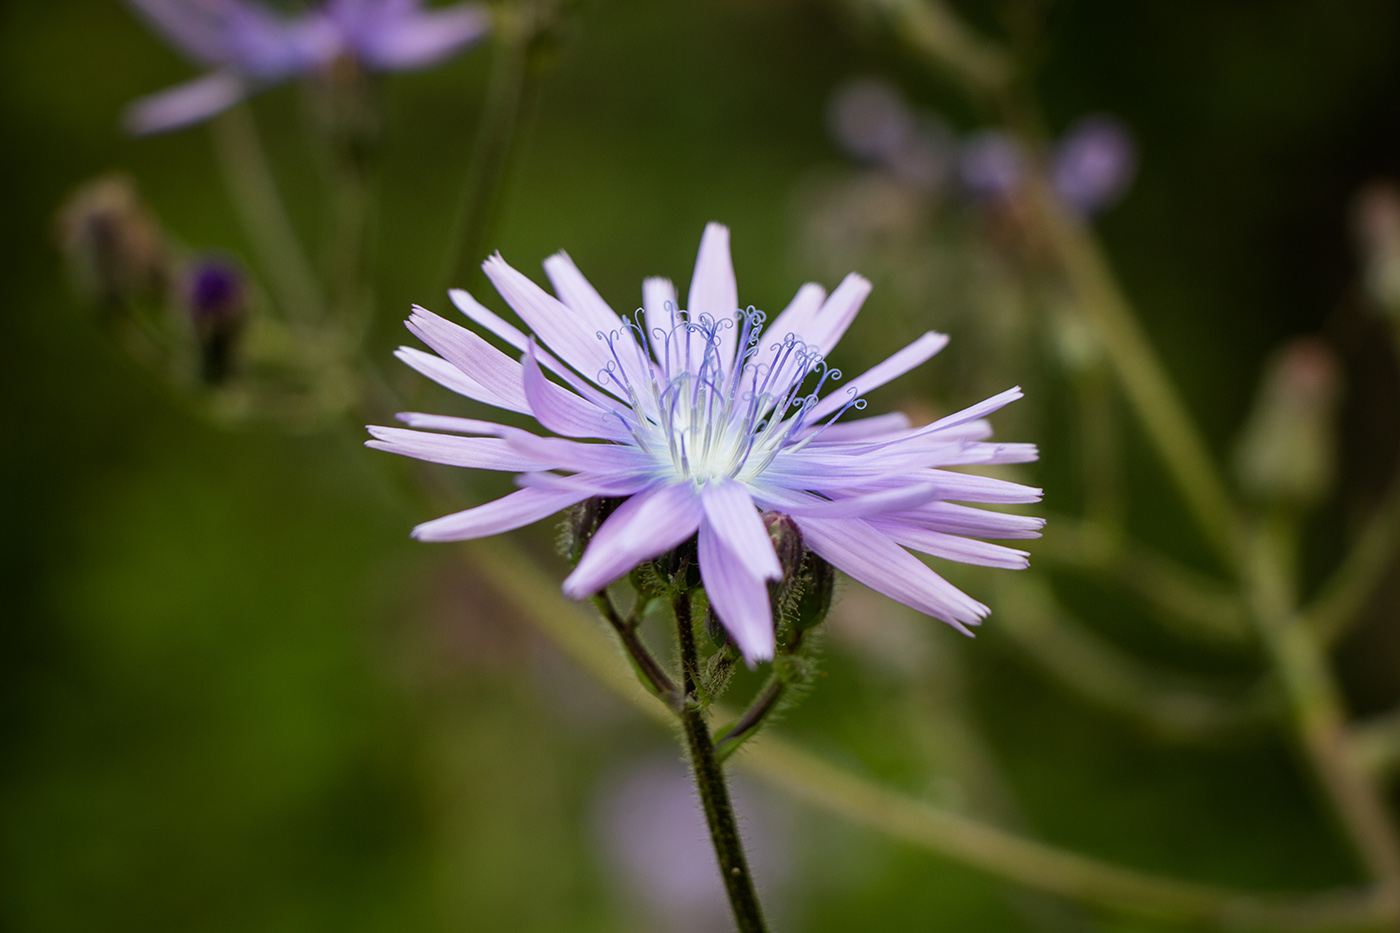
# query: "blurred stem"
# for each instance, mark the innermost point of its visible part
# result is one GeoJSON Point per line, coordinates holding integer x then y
{"type": "Point", "coordinates": [710, 782]}
{"type": "Point", "coordinates": [1098, 419]}
{"type": "Point", "coordinates": [1316, 702]}
{"type": "Point", "coordinates": [1090, 667]}
{"type": "Point", "coordinates": [1378, 744]}
{"type": "Point", "coordinates": [259, 207]}
{"type": "Point", "coordinates": [513, 86]}
{"type": "Point", "coordinates": [1342, 598]}
{"type": "Point", "coordinates": [1190, 602]}
{"type": "Point", "coordinates": [1149, 390]}
{"type": "Point", "coordinates": [942, 832]}
{"type": "Point", "coordinates": [932, 29]}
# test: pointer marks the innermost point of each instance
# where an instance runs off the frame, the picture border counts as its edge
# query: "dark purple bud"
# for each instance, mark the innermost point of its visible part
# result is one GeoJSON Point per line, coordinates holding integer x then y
{"type": "Point", "coordinates": [992, 165]}
{"type": "Point", "coordinates": [1094, 163]}
{"type": "Point", "coordinates": [215, 297]}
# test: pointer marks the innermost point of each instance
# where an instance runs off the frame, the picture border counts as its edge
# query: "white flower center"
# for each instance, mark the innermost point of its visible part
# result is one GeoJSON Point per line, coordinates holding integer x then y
{"type": "Point", "coordinates": [704, 419]}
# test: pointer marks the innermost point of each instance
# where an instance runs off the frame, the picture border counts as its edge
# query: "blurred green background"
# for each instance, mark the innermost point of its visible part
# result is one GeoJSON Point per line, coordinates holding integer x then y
{"type": "Point", "coordinates": [235, 696]}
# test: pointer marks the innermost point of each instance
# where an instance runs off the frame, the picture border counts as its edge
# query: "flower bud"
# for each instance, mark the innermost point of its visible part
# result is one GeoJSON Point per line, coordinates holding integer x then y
{"type": "Point", "coordinates": [1093, 165]}
{"type": "Point", "coordinates": [581, 523]}
{"type": "Point", "coordinates": [1377, 224]}
{"type": "Point", "coordinates": [1287, 449]}
{"type": "Point", "coordinates": [215, 298]}
{"type": "Point", "coordinates": [818, 587]}
{"type": "Point", "coordinates": [787, 544]}
{"type": "Point", "coordinates": [113, 244]}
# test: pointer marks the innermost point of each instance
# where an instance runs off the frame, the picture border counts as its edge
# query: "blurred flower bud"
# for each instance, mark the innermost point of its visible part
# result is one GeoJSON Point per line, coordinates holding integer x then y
{"type": "Point", "coordinates": [1376, 217]}
{"type": "Point", "coordinates": [818, 587]}
{"type": "Point", "coordinates": [215, 297]}
{"type": "Point", "coordinates": [1287, 449]}
{"type": "Point", "coordinates": [992, 165]}
{"type": "Point", "coordinates": [113, 244]}
{"type": "Point", "coordinates": [581, 522]}
{"type": "Point", "coordinates": [869, 119]}
{"type": "Point", "coordinates": [1094, 163]}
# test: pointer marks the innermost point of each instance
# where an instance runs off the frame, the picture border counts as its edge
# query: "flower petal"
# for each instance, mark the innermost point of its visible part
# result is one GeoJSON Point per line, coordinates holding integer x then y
{"type": "Point", "coordinates": [856, 506]}
{"type": "Point", "coordinates": [581, 297]}
{"type": "Point", "coordinates": [916, 354]}
{"type": "Point", "coordinates": [731, 514]}
{"type": "Point", "coordinates": [952, 547]}
{"type": "Point", "coordinates": [422, 38]}
{"type": "Point", "coordinates": [659, 304]}
{"type": "Point", "coordinates": [481, 362]}
{"type": "Point", "coordinates": [516, 510]}
{"type": "Point", "coordinates": [739, 598]}
{"type": "Point", "coordinates": [650, 523]}
{"type": "Point", "coordinates": [186, 103]}
{"type": "Point", "coordinates": [450, 377]}
{"type": "Point", "coordinates": [836, 313]}
{"type": "Point", "coordinates": [876, 427]}
{"type": "Point", "coordinates": [713, 291]}
{"type": "Point", "coordinates": [872, 558]}
{"type": "Point", "coordinates": [553, 323]}
{"type": "Point", "coordinates": [482, 453]}
{"type": "Point", "coordinates": [565, 413]}
{"type": "Point", "coordinates": [952, 518]}
{"type": "Point", "coordinates": [596, 484]}
{"type": "Point", "coordinates": [514, 336]}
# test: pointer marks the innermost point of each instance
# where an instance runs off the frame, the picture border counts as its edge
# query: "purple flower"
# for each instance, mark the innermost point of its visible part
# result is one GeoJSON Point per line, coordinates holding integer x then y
{"type": "Point", "coordinates": [1093, 164]}
{"type": "Point", "coordinates": [250, 47]}
{"type": "Point", "coordinates": [703, 422]}
{"type": "Point", "coordinates": [992, 165]}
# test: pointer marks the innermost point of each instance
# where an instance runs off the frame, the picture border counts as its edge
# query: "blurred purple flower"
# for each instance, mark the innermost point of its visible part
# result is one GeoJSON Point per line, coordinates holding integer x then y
{"type": "Point", "coordinates": [654, 837]}
{"type": "Point", "coordinates": [869, 119]}
{"type": "Point", "coordinates": [992, 164]}
{"type": "Point", "coordinates": [704, 423]}
{"type": "Point", "coordinates": [250, 47]}
{"type": "Point", "coordinates": [1093, 164]}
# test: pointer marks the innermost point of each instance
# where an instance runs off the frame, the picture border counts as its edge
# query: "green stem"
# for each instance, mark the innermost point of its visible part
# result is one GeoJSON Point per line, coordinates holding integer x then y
{"type": "Point", "coordinates": [259, 207]}
{"type": "Point", "coordinates": [1319, 715]}
{"type": "Point", "coordinates": [1190, 602]}
{"type": "Point", "coordinates": [649, 670]}
{"type": "Point", "coordinates": [509, 97]}
{"type": "Point", "coordinates": [1145, 382]}
{"type": "Point", "coordinates": [752, 720]}
{"type": "Point", "coordinates": [710, 782]}
{"type": "Point", "coordinates": [951, 835]}
{"type": "Point", "coordinates": [1339, 604]}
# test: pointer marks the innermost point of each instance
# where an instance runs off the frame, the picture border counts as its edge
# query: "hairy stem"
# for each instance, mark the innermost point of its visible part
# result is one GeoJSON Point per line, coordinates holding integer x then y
{"type": "Point", "coordinates": [653, 676]}
{"type": "Point", "coordinates": [710, 782]}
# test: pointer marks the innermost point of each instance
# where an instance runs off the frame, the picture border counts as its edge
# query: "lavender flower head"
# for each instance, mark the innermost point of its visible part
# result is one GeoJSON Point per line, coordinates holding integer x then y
{"type": "Point", "coordinates": [249, 47]}
{"type": "Point", "coordinates": [1093, 164]}
{"type": "Point", "coordinates": [698, 419]}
